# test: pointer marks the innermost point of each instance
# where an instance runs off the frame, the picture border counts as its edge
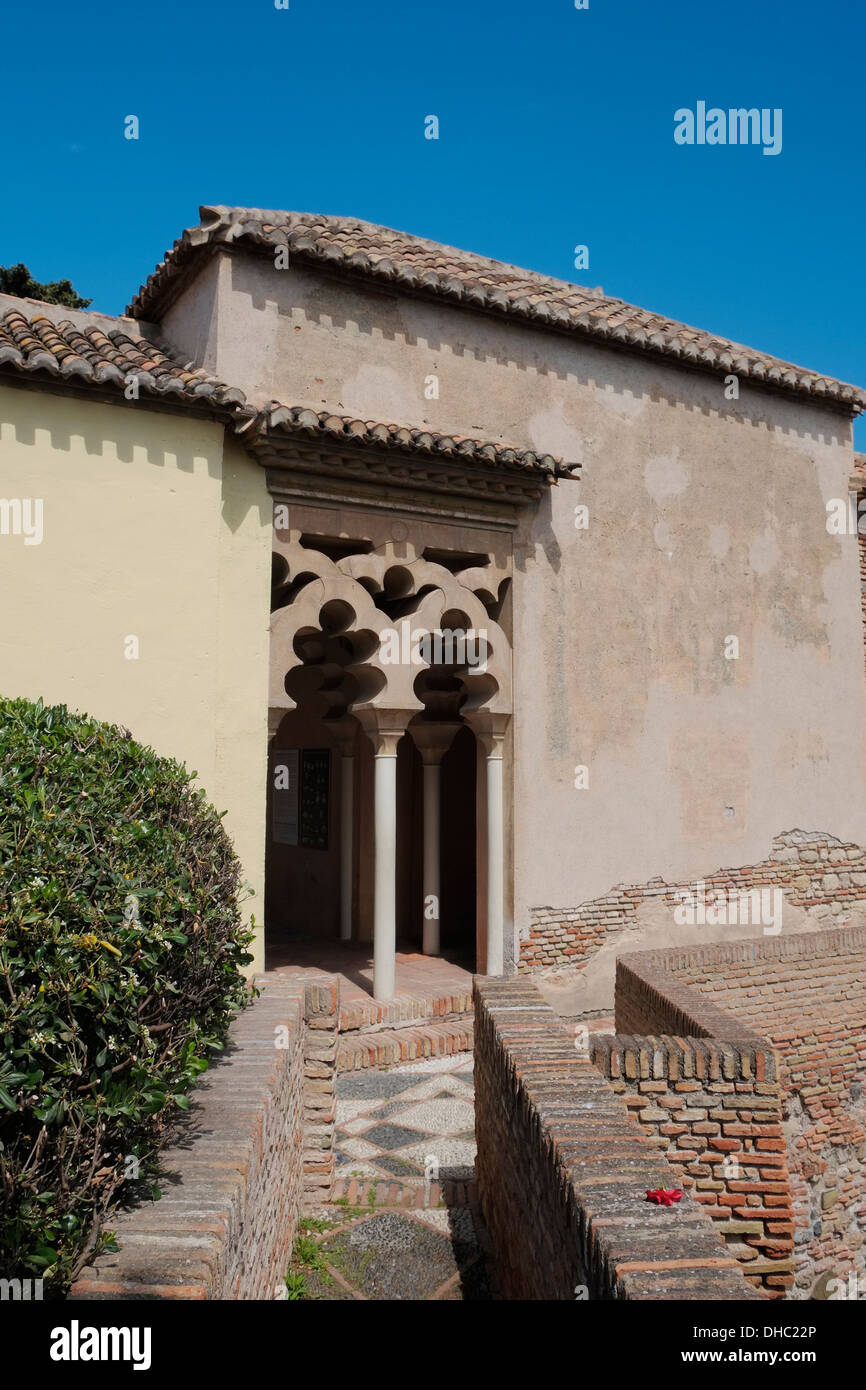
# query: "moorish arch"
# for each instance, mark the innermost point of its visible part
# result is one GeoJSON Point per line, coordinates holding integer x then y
{"type": "Point", "coordinates": [398, 645]}
{"type": "Point", "coordinates": [391, 635]}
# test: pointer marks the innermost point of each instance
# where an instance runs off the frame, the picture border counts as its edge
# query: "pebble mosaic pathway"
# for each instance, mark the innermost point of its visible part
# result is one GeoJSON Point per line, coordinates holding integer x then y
{"type": "Point", "coordinates": [406, 1134]}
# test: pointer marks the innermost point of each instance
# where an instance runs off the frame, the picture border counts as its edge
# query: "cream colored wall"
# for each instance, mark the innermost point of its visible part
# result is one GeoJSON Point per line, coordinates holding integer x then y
{"type": "Point", "coordinates": [154, 529]}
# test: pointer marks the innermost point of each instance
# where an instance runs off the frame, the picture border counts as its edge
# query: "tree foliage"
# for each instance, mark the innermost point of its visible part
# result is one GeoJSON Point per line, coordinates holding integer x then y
{"type": "Point", "coordinates": [17, 280]}
{"type": "Point", "coordinates": [121, 955]}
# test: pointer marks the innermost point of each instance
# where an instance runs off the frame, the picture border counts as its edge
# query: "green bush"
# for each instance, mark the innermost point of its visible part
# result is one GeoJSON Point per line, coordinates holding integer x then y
{"type": "Point", "coordinates": [121, 955]}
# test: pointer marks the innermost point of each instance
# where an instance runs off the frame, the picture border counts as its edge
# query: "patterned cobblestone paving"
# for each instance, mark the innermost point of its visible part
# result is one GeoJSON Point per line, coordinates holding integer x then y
{"type": "Point", "coordinates": [405, 1145]}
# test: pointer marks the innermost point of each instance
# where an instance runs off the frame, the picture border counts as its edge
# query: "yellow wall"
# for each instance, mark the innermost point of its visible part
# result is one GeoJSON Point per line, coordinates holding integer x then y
{"type": "Point", "coordinates": [156, 526]}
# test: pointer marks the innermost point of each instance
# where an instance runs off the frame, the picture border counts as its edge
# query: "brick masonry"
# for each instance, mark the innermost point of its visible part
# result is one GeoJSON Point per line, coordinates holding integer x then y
{"type": "Point", "coordinates": [804, 995]}
{"type": "Point", "coordinates": [815, 871]}
{"type": "Point", "coordinates": [258, 1145]}
{"type": "Point", "coordinates": [714, 1109]}
{"type": "Point", "coordinates": [563, 1169]}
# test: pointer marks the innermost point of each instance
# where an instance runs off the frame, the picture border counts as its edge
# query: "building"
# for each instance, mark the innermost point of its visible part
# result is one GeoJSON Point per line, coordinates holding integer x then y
{"type": "Point", "coordinates": [556, 615]}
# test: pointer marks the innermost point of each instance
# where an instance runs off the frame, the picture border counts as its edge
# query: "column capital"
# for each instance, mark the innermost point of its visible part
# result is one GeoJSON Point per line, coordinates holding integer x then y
{"type": "Point", "coordinates": [384, 728]}
{"type": "Point", "coordinates": [489, 729]}
{"type": "Point", "coordinates": [432, 740]}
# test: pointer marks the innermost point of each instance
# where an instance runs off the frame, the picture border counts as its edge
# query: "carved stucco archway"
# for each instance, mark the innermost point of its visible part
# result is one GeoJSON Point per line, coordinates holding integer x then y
{"type": "Point", "coordinates": [343, 618]}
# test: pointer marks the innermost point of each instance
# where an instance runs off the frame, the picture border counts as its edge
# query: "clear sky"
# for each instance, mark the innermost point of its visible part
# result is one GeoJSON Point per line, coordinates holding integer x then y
{"type": "Point", "coordinates": [556, 129]}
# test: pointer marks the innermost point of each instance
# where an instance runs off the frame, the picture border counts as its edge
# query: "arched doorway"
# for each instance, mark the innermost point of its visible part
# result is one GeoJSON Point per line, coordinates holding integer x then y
{"type": "Point", "coordinates": [388, 679]}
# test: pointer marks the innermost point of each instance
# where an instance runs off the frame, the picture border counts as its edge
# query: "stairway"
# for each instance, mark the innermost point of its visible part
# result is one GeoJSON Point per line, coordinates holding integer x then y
{"type": "Point", "coordinates": [406, 1029]}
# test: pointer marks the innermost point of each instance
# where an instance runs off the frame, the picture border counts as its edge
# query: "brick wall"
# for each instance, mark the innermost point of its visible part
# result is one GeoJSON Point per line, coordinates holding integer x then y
{"type": "Point", "coordinates": [806, 995]}
{"type": "Point", "coordinates": [714, 1110]}
{"type": "Point", "coordinates": [814, 871]}
{"type": "Point", "coordinates": [257, 1143]}
{"type": "Point", "coordinates": [563, 1170]}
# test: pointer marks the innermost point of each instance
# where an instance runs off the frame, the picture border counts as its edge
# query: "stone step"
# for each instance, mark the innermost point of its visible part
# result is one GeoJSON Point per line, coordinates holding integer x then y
{"type": "Point", "coordinates": [391, 1046]}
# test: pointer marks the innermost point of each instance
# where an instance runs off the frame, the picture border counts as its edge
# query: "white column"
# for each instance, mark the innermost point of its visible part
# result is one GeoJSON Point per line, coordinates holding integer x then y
{"type": "Point", "coordinates": [490, 734]}
{"type": "Point", "coordinates": [385, 890]}
{"type": "Point", "coordinates": [495, 859]}
{"type": "Point", "coordinates": [385, 728]}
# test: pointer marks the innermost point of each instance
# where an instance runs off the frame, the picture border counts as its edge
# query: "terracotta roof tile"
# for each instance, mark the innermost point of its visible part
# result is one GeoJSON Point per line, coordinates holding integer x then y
{"type": "Point", "coordinates": [428, 268]}
{"type": "Point", "coordinates": [33, 342]}
{"type": "Point", "coordinates": [300, 420]}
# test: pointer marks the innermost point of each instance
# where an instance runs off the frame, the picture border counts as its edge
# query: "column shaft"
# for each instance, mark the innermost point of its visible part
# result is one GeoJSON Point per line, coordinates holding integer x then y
{"type": "Point", "coordinates": [495, 867]}
{"type": "Point", "coordinates": [385, 892]}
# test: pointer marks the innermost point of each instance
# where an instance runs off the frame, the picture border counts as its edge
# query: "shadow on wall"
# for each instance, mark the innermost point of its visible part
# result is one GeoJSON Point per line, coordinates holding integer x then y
{"type": "Point", "coordinates": [339, 306]}
{"type": "Point", "coordinates": [136, 429]}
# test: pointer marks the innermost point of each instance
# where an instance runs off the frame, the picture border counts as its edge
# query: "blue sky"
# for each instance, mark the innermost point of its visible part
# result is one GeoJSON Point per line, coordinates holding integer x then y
{"type": "Point", "coordinates": [556, 129]}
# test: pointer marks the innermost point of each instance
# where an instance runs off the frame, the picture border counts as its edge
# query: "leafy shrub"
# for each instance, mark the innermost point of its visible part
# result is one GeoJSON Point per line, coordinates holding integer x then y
{"type": "Point", "coordinates": [121, 955]}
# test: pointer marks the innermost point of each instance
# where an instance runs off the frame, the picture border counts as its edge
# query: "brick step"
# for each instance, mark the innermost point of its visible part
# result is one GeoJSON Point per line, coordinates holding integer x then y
{"type": "Point", "coordinates": [419, 1021]}
{"type": "Point", "coordinates": [365, 1014]}
{"type": "Point", "coordinates": [372, 1192]}
{"type": "Point", "coordinates": [388, 1047]}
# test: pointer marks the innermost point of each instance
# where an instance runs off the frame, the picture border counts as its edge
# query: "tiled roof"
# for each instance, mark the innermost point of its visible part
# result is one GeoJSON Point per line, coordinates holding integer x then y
{"type": "Point", "coordinates": [97, 350]}
{"type": "Point", "coordinates": [320, 425]}
{"type": "Point", "coordinates": [94, 350]}
{"type": "Point", "coordinates": [462, 277]}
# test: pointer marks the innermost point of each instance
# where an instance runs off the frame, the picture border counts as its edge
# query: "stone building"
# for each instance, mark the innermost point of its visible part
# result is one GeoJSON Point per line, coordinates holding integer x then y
{"type": "Point", "coordinates": [483, 602]}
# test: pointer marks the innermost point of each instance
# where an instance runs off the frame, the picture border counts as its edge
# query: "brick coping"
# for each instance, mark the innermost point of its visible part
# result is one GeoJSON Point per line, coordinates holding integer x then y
{"type": "Point", "coordinates": [690, 1013]}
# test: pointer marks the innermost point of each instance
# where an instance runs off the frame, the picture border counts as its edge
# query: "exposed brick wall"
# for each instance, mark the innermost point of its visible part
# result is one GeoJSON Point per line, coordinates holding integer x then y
{"type": "Point", "coordinates": [258, 1141]}
{"type": "Point", "coordinates": [814, 871]}
{"type": "Point", "coordinates": [806, 995]}
{"type": "Point", "coordinates": [714, 1110]}
{"type": "Point", "coordinates": [563, 1170]}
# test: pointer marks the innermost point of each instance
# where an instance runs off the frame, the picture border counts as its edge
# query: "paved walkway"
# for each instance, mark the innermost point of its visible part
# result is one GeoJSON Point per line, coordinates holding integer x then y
{"type": "Point", "coordinates": [417, 975]}
{"type": "Point", "coordinates": [406, 1226]}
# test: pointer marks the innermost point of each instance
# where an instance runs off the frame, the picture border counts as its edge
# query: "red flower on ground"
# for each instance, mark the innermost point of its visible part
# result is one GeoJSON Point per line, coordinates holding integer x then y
{"type": "Point", "coordinates": [664, 1196]}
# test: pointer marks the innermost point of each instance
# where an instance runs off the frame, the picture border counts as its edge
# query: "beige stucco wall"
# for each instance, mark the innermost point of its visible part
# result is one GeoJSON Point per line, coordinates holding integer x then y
{"type": "Point", "coordinates": [153, 527]}
{"type": "Point", "coordinates": [707, 520]}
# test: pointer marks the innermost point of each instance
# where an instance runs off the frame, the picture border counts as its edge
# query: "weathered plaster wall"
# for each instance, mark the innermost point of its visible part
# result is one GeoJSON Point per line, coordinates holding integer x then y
{"type": "Point", "coordinates": [809, 880]}
{"type": "Point", "coordinates": [152, 528]}
{"type": "Point", "coordinates": [707, 520]}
